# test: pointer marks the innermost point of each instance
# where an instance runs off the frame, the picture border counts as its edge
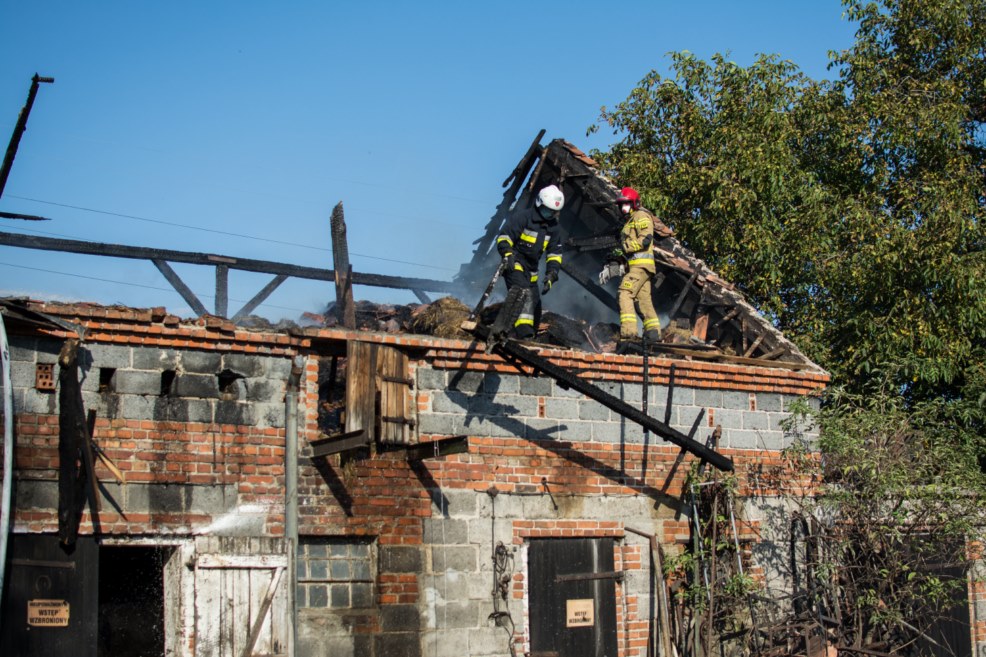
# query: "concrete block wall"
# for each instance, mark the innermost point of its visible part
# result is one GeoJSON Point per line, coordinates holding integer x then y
{"type": "Point", "coordinates": [198, 434]}
{"type": "Point", "coordinates": [561, 465]}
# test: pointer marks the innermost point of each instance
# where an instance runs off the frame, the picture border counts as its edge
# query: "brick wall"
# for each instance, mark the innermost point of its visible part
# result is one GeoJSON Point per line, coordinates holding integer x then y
{"type": "Point", "coordinates": [207, 456]}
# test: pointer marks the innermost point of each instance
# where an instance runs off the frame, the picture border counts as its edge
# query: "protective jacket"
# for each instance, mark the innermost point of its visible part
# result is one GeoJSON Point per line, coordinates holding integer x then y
{"type": "Point", "coordinates": [636, 288]}
{"type": "Point", "coordinates": [527, 235]}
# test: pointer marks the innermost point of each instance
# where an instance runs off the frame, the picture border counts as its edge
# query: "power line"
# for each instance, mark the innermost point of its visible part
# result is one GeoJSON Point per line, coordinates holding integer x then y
{"type": "Point", "coordinates": [219, 232]}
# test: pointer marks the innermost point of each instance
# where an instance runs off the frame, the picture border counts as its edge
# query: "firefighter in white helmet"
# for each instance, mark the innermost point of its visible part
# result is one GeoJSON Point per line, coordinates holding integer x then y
{"type": "Point", "coordinates": [525, 236]}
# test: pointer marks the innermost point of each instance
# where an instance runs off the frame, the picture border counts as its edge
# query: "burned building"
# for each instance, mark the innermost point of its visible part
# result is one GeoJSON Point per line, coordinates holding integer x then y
{"type": "Point", "coordinates": [194, 487]}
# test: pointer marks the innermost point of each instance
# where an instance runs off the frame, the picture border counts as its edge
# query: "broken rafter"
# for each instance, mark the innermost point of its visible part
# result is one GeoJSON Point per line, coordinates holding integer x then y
{"type": "Point", "coordinates": [161, 258]}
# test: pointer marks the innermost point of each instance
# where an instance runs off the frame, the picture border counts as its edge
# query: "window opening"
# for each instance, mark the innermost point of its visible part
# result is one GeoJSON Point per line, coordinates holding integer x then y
{"type": "Point", "coordinates": [336, 572]}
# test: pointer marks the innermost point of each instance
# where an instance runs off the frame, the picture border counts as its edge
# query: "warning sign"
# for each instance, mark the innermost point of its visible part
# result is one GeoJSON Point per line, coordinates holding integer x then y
{"type": "Point", "coordinates": [47, 613]}
{"type": "Point", "coordinates": [579, 613]}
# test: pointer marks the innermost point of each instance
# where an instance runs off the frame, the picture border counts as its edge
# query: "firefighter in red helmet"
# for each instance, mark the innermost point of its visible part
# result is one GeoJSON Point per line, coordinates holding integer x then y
{"type": "Point", "coordinates": [636, 286]}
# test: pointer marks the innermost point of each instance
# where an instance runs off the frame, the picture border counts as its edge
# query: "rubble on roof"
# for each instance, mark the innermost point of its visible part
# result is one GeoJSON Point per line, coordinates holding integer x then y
{"type": "Point", "coordinates": [704, 316]}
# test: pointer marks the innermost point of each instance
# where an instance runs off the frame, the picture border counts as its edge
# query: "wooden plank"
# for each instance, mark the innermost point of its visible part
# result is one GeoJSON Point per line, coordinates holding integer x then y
{"type": "Point", "coordinates": [261, 617]}
{"type": "Point", "coordinates": [395, 394]}
{"type": "Point", "coordinates": [753, 347]}
{"type": "Point", "coordinates": [757, 362]}
{"type": "Point", "coordinates": [220, 560]}
{"type": "Point", "coordinates": [701, 327]}
{"type": "Point", "coordinates": [361, 388]}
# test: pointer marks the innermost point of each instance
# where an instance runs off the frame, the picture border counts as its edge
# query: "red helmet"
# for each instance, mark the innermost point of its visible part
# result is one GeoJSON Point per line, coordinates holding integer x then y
{"type": "Point", "coordinates": [629, 195]}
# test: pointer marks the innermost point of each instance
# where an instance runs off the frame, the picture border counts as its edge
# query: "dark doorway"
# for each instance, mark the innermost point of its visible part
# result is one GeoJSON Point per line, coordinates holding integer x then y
{"type": "Point", "coordinates": [131, 601]}
{"type": "Point", "coordinates": [572, 597]}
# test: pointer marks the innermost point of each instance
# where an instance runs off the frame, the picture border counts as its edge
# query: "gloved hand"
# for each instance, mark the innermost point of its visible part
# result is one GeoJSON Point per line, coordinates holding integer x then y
{"type": "Point", "coordinates": [507, 264]}
{"type": "Point", "coordinates": [550, 278]}
{"type": "Point", "coordinates": [610, 271]}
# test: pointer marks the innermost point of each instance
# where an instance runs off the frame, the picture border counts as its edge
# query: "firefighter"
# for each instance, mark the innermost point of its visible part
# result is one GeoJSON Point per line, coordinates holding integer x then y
{"type": "Point", "coordinates": [526, 235]}
{"type": "Point", "coordinates": [636, 287]}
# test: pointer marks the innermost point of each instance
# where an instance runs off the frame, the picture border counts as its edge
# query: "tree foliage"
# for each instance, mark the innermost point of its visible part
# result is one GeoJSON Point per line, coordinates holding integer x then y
{"type": "Point", "coordinates": [847, 210]}
{"type": "Point", "coordinates": [850, 211]}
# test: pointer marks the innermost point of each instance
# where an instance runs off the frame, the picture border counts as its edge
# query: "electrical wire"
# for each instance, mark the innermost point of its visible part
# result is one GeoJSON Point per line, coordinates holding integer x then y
{"type": "Point", "coordinates": [220, 232]}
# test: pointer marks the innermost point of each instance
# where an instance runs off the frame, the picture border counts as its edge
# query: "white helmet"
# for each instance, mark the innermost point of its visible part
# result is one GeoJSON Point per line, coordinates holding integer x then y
{"type": "Point", "coordinates": [551, 197]}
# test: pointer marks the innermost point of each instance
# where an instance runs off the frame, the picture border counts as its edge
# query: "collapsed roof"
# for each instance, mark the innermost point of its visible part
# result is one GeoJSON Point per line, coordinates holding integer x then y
{"type": "Point", "coordinates": [703, 315]}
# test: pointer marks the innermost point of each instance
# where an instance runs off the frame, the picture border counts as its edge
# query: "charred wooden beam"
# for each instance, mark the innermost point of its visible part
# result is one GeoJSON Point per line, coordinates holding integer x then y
{"type": "Point", "coordinates": [342, 442]}
{"type": "Point", "coordinates": [25, 217]}
{"type": "Point", "coordinates": [597, 243]}
{"type": "Point", "coordinates": [566, 379]}
{"type": "Point", "coordinates": [515, 180]}
{"type": "Point", "coordinates": [186, 292]}
{"type": "Point", "coordinates": [19, 128]}
{"type": "Point", "coordinates": [345, 310]}
{"type": "Point", "coordinates": [683, 294]}
{"type": "Point", "coordinates": [591, 286]}
{"type": "Point", "coordinates": [242, 264]}
{"type": "Point", "coordinates": [434, 449]}
{"type": "Point", "coordinates": [259, 297]}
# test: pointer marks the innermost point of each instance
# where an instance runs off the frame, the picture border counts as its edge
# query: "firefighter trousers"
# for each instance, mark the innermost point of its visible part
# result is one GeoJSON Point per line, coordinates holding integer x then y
{"type": "Point", "coordinates": [635, 295]}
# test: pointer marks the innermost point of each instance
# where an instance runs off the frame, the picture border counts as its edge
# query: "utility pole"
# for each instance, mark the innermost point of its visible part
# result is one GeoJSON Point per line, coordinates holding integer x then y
{"type": "Point", "coordinates": [15, 139]}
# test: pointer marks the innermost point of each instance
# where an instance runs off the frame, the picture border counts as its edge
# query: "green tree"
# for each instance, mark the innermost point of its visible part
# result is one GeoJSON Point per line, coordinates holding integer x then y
{"type": "Point", "coordinates": [849, 212]}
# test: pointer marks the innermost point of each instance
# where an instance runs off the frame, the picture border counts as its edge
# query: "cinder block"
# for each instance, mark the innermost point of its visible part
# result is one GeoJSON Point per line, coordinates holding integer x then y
{"type": "Point", "coordinates": [460, 615]}
{"type": "Point", "coordinates": [516, 405]}
{"type": "Point", "coordinates": [154, 359]}
{"type": "Point", "coordinates": [436, 424]}
{"type": "Point", "coordinates": [447, 642]}
{"type": "Point", "coordinates": [103, 355]}
{"type": "Point", "coordinates": [263, 390]}
{"type": "Point", "coordinates": [22, 349]}
{"type": "Point", "coordinates": [543, 430]}
{"type": "Point", "coordinates": [36, 494]}
{"type": "Point", "coordinates": [400, 559]}
{"type": "Point", "coordinates": [450, 402]}
{"type": "Point", "coordinates": [269, 415]}
{"type": "Point", "coordinates": [138, 382]}
{"type": "Point", "coordinates": [203, 386]}
{"type": "Point", "coordinates": [708, 398]}
{"type": "Point", "coordinates": [769, 402]}
{"type": "Point", "coordinates": [234, 413]}
{"type": "Point", "coordinates": [397, 644]}
{"type": "Point", "coordinates": [464, 381]}
{"type": "Point", "coordinates": [575, 431]}
{"type": "Point", "coordinates": [593, 410]}
{"type": "Point", "coordinates": [201, 362]}
{"type": "Point", "coordinates": [606, 432]}
{"type": "Point", "coordinates": [399, 618]}
{"type": "Point", "coordinates": [444, 531]}
{"type": "Point", "coordinates": [279, 369]}
{"type": "Point", "coordinates": [460, 558]}
{"type": "Point", "coordinates": [245, 365]}
{"type": "Point", "coordinates": [755, 421]}
{"type": "Point", "coordinates": [429, 379]}
{"type": "Point", "coordinates": [496, 383]}
{"type": "Point", "coordinates": [536, 386]}
{"type": "Point", "coordinates": [562, 409]}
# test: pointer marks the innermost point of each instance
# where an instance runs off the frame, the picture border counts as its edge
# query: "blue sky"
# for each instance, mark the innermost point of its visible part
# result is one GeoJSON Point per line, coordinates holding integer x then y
{"type": "Point", "coordinates": [235, 127]}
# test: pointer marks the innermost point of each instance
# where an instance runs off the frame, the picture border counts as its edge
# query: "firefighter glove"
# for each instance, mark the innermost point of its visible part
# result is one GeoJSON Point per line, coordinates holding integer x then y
{"type": "Point", "coordinates": [550, 278]}
{"type": "Point", "coordinates": [610, 271]}
{"type": "Point", "coordinates": [507, 264]}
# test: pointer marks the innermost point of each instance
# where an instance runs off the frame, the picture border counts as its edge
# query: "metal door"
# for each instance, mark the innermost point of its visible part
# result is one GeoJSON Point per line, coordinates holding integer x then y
{"type": "Point", "coordinates": [50, 604]}
{"type": "Point", "coordinates": [572, 597]}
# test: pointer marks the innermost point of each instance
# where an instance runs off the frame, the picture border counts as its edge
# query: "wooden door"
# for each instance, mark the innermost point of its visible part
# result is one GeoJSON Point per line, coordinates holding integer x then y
{"type": "Point", "coordinates": [241, 598]}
